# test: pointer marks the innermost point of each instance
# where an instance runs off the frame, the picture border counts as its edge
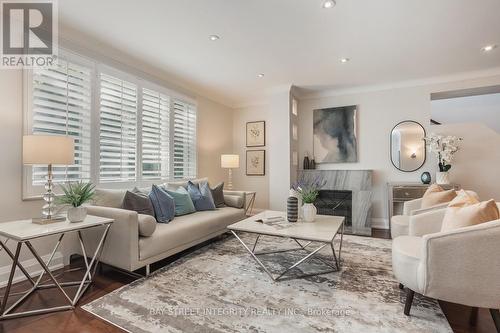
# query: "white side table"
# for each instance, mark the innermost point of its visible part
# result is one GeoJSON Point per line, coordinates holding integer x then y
{"type": "Point", "coordinates": [23, 232]}
{"type": "Point", "coordinates": [251, 202]}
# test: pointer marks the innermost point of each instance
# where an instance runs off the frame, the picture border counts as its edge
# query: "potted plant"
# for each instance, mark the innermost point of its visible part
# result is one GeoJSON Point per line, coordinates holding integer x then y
{"type": "Point", "coordinates": [75, 195]}
{"type": "Point", "coordinates": [308, 190]}
{"type": "Point", "coordinates": [444, 147]}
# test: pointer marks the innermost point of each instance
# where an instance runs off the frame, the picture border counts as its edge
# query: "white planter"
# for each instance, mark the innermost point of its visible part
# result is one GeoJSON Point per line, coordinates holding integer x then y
{"type": "Point", "coordinates": [442, 178]}
{"type": "Point", "coordinates": [77, 214]}
{"type": "Point", "coordinates": [309, 211]}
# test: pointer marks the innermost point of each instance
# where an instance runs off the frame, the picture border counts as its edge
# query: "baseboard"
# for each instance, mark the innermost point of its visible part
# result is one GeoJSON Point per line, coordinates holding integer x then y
{"type": "Point", "coordinates": [380, 223]}
{"type": "Point", "coordinates": [32, 266]}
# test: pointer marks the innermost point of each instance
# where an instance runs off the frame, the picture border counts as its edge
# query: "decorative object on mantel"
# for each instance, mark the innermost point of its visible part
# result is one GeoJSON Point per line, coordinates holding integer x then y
{"type": "Point", "coordinates": [426, 177]}
{"type": "Point", "coordinates": [305, 164]}
{"type": "Point", "coordinates": [256, 134]}
{"type": "Point", "coordinates": [230, 161]}
{"type": "Point", "coordinates": [312, 164]}
{"type": "Point", "coordinates": [334, 139]}
{"type": "Point", "coordinates": [75, 195]}
{"type": "Point", "coordinates": [308, 189]}
{"type": "Point", "coordinates": [444, 147]}
{"type": "Point", "coordinates": [48, 150]}
{"type": "Point", "coordinates": [292, 209]}
{"type": "Point", "coordinates": [256, 162]}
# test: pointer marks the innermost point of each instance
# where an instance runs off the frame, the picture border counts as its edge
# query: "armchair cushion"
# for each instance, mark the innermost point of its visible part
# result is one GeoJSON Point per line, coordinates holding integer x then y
{"type": "Point", "coordinates": [435, 195]}
{"type": "Point", "coordinates": [467, 211]}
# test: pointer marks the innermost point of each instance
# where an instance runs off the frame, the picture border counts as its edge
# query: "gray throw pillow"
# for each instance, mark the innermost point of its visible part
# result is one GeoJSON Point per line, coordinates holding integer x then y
{"type": "Point", "coordinates": [218, 195]}
{"type": "Point", "coordinates": [138, 202]}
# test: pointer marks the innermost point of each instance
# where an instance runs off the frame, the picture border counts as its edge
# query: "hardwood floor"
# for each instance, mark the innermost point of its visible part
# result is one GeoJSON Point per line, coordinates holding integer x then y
{"type": "Point", "coordinates": [108, 279]}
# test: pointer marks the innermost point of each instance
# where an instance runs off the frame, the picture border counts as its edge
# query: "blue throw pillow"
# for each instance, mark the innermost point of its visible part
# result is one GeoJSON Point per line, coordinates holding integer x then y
{"type": "Point", "coordinates": [201, 196]}
{"type": "Point", "coordinates": [163, 204]}
{"type": "Point", "coordinates": [183, 203]}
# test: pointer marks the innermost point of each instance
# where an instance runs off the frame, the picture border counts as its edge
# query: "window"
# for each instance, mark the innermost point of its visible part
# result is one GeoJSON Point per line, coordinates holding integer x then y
{"type": "Point", "coordinates": [155, 134]}
{"type": "Point", "coordinates": [126, 130]}
{"type": "Point", "coordinates": [118, 129]}
{"type": "Point", "coordinates": [184, 140]}
{"type": "Point", "coordinates": [61, 103]}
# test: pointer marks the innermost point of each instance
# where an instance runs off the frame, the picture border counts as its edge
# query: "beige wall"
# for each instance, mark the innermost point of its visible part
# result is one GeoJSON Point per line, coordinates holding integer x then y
{"type": "Point", "coordinates": [241, 181]}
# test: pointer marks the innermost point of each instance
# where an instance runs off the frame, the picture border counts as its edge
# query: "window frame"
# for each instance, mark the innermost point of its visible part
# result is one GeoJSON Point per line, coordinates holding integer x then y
{"type": "Point", "coordinates": [142, 81]}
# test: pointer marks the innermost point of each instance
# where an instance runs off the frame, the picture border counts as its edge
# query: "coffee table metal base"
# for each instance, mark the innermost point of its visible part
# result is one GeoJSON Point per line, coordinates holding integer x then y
{"type": "Point", "coordinates": [335, 263]}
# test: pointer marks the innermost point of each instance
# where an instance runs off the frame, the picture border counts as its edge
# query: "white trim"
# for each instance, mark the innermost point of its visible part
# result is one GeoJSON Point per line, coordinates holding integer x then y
{"type": "Point", "coordinates": [380, 223]}
{"type": "Point", "coordinates": [32, 267]}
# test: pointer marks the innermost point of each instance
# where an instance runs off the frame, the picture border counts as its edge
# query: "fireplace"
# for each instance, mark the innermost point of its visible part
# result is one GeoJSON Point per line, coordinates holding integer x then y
{"type": "Point", "coordinates": [336, 203]}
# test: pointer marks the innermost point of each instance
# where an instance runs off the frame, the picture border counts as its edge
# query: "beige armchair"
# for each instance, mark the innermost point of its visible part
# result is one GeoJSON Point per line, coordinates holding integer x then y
{"type": "Point", "coordinates": [460, 266]}
{"type": "Point", "coordinates": [400, 223]}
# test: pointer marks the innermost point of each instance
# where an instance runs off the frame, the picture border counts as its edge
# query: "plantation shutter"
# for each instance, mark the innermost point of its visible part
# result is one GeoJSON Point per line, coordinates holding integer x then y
{"type": "Point", "coordinates": [184, 163]}
{"type": "Point", "coordinates": [61, 97]}
{"type": "Point", "coordinates": [118, 129]}
{"type": "Point", "coordinates": [155, 135]}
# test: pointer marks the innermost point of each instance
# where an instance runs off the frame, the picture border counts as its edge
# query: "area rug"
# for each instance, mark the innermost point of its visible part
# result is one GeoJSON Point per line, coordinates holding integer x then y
{"type": "Point", "coordinates": [219, 288]}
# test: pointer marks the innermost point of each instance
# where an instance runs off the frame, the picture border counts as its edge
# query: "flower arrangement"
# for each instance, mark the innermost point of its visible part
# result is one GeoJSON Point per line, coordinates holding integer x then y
{"type": "Point", "coordinates": [444, 147]}
{"type": "Point", "coordinates": [308, 188]}
{"type": "Point", "coordinates": [76, 194]}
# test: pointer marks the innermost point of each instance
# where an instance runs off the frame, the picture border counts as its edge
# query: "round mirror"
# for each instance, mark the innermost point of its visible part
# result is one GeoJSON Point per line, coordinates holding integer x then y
{"type": "Point", "coordinates": [408, 151]}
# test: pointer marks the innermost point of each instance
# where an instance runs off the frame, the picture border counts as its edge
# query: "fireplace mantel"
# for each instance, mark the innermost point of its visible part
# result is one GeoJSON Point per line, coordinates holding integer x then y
{"type": "Point", "coordinates": [360, 183]}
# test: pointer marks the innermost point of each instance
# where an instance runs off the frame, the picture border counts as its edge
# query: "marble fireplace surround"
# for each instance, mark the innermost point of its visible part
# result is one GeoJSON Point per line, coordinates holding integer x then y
{"type": "Point", "coordinates": [360, 183]}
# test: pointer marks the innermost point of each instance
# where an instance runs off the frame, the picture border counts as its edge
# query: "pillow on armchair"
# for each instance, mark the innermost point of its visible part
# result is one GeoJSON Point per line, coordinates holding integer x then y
{"type": "Point", "coordinates": [465, 210]}
{"type": "Point", "coordinates": [436, 195]}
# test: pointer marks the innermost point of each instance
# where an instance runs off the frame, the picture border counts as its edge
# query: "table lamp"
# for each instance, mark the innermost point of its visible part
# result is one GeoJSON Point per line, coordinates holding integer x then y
{"type": "Point", "coordinates": [48, 150]}
{"type": "Point", "coordinates": [230, 162]}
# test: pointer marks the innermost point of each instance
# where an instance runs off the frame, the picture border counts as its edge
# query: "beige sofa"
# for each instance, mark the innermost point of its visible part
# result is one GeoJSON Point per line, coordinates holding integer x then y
{"type": "Point", "coordinates": [129, 249]}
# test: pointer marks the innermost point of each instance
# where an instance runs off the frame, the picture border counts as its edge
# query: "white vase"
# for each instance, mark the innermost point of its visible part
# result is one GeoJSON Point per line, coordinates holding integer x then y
{"type": "Point", "coordinates": [309, 211]}
{"type": "Point", "coordinates": [442, 178]}
{"type": "Point", "coordinates": [77, 214]}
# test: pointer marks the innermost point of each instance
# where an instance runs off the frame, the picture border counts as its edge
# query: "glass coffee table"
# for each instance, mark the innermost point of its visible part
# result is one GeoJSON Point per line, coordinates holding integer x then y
{"type": "Point", "coordinates": [322, 232]}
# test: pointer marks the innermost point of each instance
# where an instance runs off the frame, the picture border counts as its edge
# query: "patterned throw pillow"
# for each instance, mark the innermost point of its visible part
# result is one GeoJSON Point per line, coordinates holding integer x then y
{"type": "Point", "coordinates": [163, 204]}
{"type": "Point", "coordinates": [201, 196]}
{"type": "Point", "coordinates": [183, 203]}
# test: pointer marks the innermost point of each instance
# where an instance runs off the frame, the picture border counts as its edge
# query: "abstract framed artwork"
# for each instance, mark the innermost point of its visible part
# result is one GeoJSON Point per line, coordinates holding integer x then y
{"type": "Point", "coordinates": [256, 134]}
{"type": "Point", "coordinates": [256, 163]}
{"type": "Point", "coordinates": [335, 139]}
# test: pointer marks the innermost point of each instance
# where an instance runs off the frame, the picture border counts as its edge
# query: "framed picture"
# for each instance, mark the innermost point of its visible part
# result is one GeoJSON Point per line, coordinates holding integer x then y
{"type": "Point", "coordinates": [256, 134]}
{"type": "Point", "coordinates": [256, 162]}
{"type": "Point", "coordinates": [335, 139]}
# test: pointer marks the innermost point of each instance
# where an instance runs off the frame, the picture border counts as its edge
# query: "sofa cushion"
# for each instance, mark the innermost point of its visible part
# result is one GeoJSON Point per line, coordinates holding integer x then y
{"type": "Point", "coordinates": [109, 198]}
{"type": "Point", "coordinates": [235, 201]}
{"type": "Point", "coordinates": [183, 203]}
{"type": "Point", "coordinates": [436, 195]}
{"type": "Point", "coordinates": [466, 211]}
{"type": "Point", "coordinates": [201, 196]}
{"type": "Point", "coordinates": [147, 225]}
{"type": "Point", "coordinates": [138, 202]}
{"type": "Point", "coordinates": [187, 229]}
{"type": "Point", "coordinates": [163, 204]}
{"type": "Point", "coordinates": [218, 195]}
{"type": "Point", "coordinates": [184, 183]}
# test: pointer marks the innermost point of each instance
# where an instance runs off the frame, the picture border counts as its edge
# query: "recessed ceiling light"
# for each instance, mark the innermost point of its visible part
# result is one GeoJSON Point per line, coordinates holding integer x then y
{"type": "Point", "coordinates": [213, 37]}
{"type": "Point", "coordinates": [329, 4]}
{"type": "Point", "coordinates": [261, 75]}
{"type": "Point", "coordinates": [344, 60]}
{"type": "Point", "coordinates": [489, 48]}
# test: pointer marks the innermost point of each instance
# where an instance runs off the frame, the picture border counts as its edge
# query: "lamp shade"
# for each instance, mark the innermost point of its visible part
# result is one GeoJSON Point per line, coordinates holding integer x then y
{"type": "Point", "coordinates": [48, 149]}
{"type": "Point", "coordinates": [230, 161]}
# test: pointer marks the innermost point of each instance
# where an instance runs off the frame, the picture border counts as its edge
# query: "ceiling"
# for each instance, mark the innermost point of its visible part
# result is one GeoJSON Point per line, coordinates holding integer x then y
{"type": "Point", "coordinates": [291, 41]}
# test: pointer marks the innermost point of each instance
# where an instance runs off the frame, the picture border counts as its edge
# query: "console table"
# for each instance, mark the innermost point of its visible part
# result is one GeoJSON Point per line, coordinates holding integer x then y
{"type": "Point", "coordinates": [400, 192]}
{"type": "Point", "coordinates": [23, 232]}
